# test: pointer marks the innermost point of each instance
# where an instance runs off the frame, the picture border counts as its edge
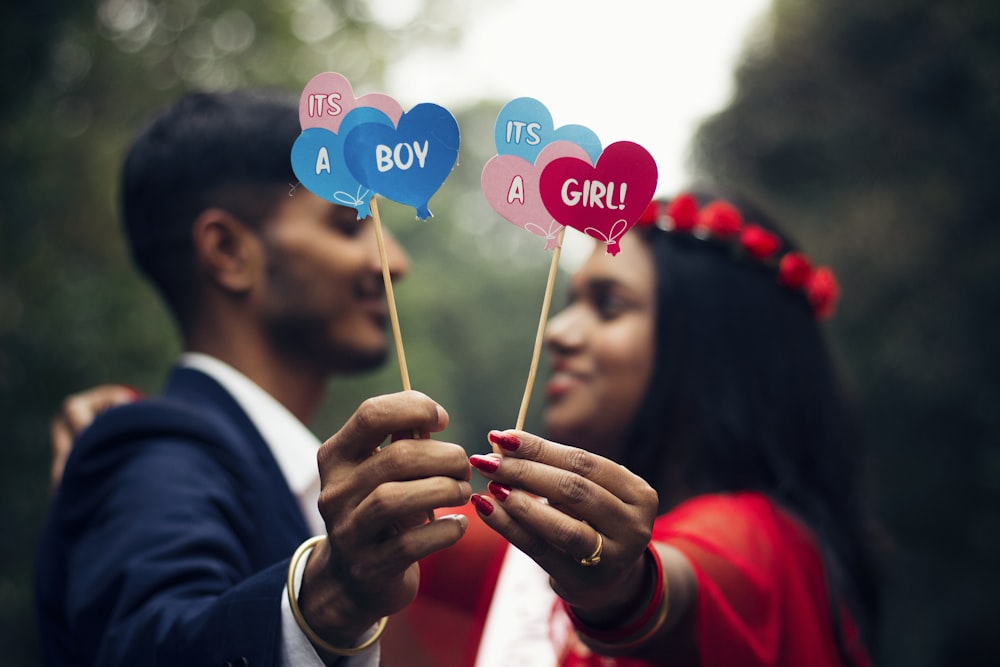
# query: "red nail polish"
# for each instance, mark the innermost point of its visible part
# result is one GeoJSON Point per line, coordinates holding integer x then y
{"type": "Point", "coordinates": [484, 463]}
{"type": "Point", "coordinates": [483, 506]}
{"type": "Point", "coordinates": [499, 491]}
{"type": "Point", "coordinates": [507, 441]}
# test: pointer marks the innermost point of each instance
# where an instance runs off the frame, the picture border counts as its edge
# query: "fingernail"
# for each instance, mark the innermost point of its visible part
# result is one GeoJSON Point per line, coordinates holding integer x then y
{"type": "Point", "coordinates": [499, 491]}
{"type": "Point", "coordinates": [507, 441]}
{"type": "Point", "coordinates": [483, 506]}
{"type": "Point", "coordinates": [460, 519]}
{"type": "Point", "coordinates": [484, 463]}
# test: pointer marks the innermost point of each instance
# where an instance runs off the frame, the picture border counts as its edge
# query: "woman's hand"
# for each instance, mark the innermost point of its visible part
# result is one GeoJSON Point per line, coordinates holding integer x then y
{"type": "Point", "coordinates": [567, 507]}
{"type": "Point", "coordinates": [76, 414]}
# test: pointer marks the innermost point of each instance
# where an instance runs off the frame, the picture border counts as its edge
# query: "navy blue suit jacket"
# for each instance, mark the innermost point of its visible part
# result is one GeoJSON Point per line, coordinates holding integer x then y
{"type": "Point", "coordinates": [169, 539]}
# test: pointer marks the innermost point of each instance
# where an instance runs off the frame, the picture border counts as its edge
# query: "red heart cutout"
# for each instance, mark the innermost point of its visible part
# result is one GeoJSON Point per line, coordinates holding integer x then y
{"type": "Point", "coordinates": [604, 200]}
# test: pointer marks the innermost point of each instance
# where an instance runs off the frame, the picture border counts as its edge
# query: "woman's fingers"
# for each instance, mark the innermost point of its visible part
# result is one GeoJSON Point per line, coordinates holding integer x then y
{"type": "Point", "coordinates": [613, 477]}
{"type": "Point", "coordinates": [586, 568]}
{"type": "Point", "coordinates": [584, 518]}
{"type": "Point", "coordinates": [76, 414]}
{"type": "Point", "coordinates": [544, 533]}
{"type": "Point", "coordinates": [580, 484]}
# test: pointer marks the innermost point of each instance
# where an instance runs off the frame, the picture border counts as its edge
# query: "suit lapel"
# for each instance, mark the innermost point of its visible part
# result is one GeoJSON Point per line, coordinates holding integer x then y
{"type": "Point", "coordinates": [193, 386]}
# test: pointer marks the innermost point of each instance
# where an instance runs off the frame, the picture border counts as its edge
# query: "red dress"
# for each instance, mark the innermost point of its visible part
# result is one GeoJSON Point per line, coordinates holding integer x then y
{"type": "Point", "coordinates": [762, 594]}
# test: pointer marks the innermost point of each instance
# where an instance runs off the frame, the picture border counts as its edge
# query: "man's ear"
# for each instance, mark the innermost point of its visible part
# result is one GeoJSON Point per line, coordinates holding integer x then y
{"type": "Point", "coordinates": [227, 250]}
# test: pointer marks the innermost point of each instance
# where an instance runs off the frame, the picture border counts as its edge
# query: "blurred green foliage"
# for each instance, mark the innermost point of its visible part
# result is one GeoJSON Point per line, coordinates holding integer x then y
{"type": "Point", "coordinates": [868, 126]}
{"type": "Point", "coordinates": [872, 129]}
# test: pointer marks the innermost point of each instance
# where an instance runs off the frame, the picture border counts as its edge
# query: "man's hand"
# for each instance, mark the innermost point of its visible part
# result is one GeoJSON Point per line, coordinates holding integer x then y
{"type": "Point", "coordinates": [375, 502]}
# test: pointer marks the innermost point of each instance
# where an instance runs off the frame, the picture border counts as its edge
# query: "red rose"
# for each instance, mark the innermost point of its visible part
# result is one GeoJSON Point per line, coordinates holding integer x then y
{"type": "Point", "coordinates": [683, 210]}
{"type": "Point", "coordinates": [823, 292]}
{"type": "Point", "coordinates": [758, 242]}
{"type": "Point", "coordinates": [722, 219]}
{"type": "Point", "coordinates": [794, 270]}
{"type": "Point", "coordinates": [648, 217]}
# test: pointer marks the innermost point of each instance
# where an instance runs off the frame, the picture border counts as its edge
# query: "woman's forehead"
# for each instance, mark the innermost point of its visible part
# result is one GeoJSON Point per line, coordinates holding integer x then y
{"type": "Point", "coordinates": [632, 266]}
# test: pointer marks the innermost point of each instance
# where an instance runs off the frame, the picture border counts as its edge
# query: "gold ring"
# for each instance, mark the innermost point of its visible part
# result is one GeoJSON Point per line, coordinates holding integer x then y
{"type": "Point", "coordinates": [594, 558]}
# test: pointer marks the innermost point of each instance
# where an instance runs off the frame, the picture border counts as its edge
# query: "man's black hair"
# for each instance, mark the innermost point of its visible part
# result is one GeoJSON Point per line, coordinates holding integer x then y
{"type": "Point", "coordinates": [229, 150]}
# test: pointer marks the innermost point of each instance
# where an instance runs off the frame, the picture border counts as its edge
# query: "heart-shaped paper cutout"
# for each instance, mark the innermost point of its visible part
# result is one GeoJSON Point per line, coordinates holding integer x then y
{"type": "Point", "coordinates": [318, 162]}
{"type": "Point", "coordinates": [603, 200]}
{"type": "Point", "coordinates": [524, 128]}
{"type": "Point", "coordinates": [328, 98]}
{"type": "Point", "coordinates": [511, 186]}
{"type": "Point", "coordinates": [407, 163]}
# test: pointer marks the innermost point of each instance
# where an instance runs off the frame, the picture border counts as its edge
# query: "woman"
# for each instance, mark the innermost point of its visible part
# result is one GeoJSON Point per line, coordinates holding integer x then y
{"type": "Point", "coordinates": [704, 510]}
{"type": "Point", "coordinates": [695, 360]}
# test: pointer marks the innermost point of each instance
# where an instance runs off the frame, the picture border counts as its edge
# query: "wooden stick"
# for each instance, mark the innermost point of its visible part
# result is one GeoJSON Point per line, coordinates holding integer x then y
{"type": "Point", "coordinates": [540, 333]}
{"type": "Point", "coordinates": [393, 317]}
{"type": "Point", "coordinates": [387, 279]}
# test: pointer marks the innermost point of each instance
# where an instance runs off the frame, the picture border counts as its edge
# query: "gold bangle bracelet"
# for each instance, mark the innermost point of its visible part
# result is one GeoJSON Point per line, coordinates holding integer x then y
{"type": "Point", "coordinates": [304, 549]}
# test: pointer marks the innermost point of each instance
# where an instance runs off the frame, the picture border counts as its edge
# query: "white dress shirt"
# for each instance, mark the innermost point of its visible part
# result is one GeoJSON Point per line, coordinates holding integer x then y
{"type": "Point", "coordinates": [294, 447]}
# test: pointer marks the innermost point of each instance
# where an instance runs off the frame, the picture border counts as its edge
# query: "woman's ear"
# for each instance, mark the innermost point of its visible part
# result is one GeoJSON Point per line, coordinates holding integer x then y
{"type": "Point", "coordinates": [227, 251]}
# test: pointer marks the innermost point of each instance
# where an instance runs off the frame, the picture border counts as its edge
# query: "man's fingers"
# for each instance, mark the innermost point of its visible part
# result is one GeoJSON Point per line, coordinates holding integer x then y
{"type": "Point", "coordinates": [394, 504]}
{"type": "Point", "coordinates": [377, 419]}
{"type": "Point", "coordinates": [394, 554]}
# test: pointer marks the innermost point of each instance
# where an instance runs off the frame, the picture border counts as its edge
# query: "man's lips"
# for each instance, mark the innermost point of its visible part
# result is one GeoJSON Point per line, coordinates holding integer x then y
{"type": "Point", "coordinates": [376, 309]}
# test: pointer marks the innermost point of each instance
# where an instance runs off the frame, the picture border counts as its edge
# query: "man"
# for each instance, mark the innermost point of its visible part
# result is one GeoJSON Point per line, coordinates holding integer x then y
{"type": "Point", "coordinates": [170, 536]}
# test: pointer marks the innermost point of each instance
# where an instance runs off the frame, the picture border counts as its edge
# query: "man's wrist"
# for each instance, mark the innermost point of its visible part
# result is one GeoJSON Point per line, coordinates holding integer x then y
{"type": "Point", "coordinates": [317, 616]}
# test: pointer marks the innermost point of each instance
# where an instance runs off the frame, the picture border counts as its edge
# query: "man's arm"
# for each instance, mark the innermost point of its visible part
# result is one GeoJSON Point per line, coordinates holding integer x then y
{"type": "Point", "coordinates": [157, 541]}
{"type": "Point", "coordinates": [155, 547]}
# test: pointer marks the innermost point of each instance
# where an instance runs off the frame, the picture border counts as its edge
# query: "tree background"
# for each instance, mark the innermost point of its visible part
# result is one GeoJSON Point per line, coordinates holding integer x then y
{"type": "Point", "coordinates": [869, 126]}
{"type": "Point", "coordinates": [875, 127]}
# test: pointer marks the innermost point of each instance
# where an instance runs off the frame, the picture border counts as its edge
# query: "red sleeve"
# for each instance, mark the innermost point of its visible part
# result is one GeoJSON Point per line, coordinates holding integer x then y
{"type": "Point", "coordinates": [762, 593]}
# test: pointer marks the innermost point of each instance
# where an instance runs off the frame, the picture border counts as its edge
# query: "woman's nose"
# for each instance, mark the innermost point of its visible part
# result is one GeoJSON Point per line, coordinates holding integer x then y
{"type": "Point", "coordinates": [565, 331]}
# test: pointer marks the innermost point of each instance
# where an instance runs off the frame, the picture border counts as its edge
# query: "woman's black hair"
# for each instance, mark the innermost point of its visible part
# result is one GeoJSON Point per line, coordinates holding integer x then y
{"type": "Point", "coordinates": [744, 396]}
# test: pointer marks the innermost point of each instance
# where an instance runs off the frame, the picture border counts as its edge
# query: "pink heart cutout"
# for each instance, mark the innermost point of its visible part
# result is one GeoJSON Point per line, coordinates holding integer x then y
{"type": "Point", "coordinates": [604, 200]}
{"type": "Point", "coordinates": [511, 186]}
{"type": "Point", "coordinates": [328, 97]}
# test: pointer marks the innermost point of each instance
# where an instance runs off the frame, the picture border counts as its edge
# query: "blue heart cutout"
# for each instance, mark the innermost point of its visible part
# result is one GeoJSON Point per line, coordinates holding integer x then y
{"type": "Point", "coordinates": [318, 161]}
{"type": "Point", "coordinates": [409, 162]}
{"type": "Point", "coordinates": [524, 128]}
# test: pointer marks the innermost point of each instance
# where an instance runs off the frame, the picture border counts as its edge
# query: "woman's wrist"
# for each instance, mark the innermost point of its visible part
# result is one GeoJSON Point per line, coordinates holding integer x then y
{"type": "Point", "coordinates": [648, 612]}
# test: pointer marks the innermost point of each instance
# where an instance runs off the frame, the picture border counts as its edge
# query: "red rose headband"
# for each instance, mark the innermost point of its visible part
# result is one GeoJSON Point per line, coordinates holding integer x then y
{"type": "Point", "coordinates": [721, 221]}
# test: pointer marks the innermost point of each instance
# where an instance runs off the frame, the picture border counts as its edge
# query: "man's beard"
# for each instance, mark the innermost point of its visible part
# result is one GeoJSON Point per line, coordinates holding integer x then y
{"type": "Point", "coordinates": [305, 340]}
